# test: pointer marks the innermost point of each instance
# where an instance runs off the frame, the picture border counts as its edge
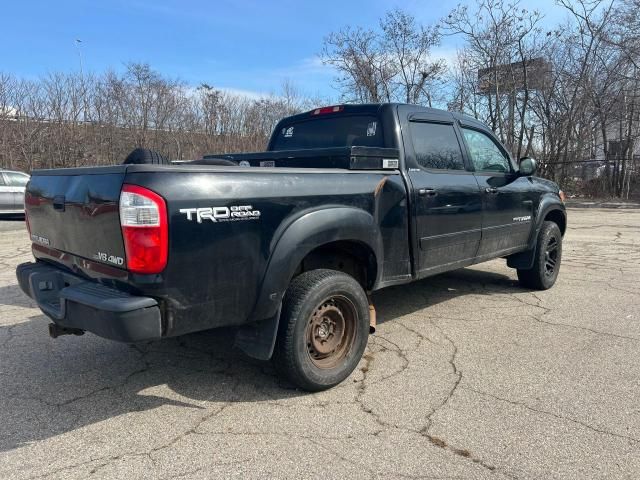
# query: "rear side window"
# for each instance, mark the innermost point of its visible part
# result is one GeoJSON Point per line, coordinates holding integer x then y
{"type": "Point", "coordinates": [2, 184]}
{"type": "Point", "coordinates": [17, 179]}
{"type": "Point", "coordinates": [436, 146]}
{"type": "Point", "coordinates": [334, 131]}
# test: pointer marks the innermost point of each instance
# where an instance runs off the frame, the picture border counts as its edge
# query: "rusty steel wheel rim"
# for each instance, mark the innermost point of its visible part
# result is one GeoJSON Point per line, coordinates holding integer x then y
{"type": "Point", "coordinates": [331, 331]}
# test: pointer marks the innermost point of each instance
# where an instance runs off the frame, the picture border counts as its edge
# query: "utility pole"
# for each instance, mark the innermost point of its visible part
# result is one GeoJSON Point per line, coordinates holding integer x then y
{"type": "Point", "coordinates": [82, 91]}
{"type": "Point", "coordinates": [78, 44]}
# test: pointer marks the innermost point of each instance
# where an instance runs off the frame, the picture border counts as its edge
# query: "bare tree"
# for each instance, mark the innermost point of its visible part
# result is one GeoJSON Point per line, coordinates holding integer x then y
{"type": "Point", "coordinates": [408, 47]}
{"type": "Point", "coordinates": [68, 119]}
{"type": "Point", "coordinates": [501, 39]}
{"type": "Point", "coordinates": [579, 115]}
{"type": "Point", "coordinates": [392, 63]}
{"type": "Point", "coordinates": [363, 68]}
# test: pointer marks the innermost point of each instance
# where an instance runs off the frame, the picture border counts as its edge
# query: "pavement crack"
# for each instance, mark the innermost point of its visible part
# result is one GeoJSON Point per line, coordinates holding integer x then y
{"type": "Point", "coordinates": [120, 384]}
{"type": "Point", "coordinates": [456, 372]}
{"type": "Point", "coordinates": [462, 452]}
{"type": "Point", "coordinates": [421, 336]}
{"type": "Point", "coordinates": [366, 468]}
{"type": "Point", "coordinates": [585, 329]}
{"type": "Point", "coordinates": [438, 442]}
{"type": "Point", "coordinates": [368, 360]}
{"type": "Point", "coordinates": [555, 415]}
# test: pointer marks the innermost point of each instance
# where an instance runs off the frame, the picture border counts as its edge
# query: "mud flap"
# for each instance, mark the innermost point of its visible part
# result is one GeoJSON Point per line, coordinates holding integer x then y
{"type": "Point", "coordinates": [258, 339]}
{"type": "Point", "coordinates": [522, 260]}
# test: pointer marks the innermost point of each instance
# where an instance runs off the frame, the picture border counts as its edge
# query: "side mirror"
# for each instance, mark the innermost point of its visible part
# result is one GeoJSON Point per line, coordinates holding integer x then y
{"type": "Point", "coordinates": [528, 166]}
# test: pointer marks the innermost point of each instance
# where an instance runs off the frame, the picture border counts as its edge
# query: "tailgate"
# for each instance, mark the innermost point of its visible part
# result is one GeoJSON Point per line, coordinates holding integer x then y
{"type": "Point", "coordinates": [76, 211]}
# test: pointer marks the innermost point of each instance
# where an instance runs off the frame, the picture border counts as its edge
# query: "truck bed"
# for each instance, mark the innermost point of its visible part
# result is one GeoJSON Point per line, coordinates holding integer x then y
{"type": "Point", "coordinates": [350, 158]}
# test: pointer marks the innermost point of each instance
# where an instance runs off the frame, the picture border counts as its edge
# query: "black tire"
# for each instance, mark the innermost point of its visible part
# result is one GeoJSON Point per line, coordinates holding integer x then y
{"type": "Point", "coordinates": [145, 156]}
{"type": "Point", "coordinates": [548, 256]}
{"type": "Point", "coordinates": [322, 309]}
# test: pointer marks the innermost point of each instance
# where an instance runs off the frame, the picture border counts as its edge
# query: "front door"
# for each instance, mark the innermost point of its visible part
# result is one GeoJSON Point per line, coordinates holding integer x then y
{"type": "Point", "coordinates": [507, 209]}
{"type": "Point", "coordinates": [446, 197]}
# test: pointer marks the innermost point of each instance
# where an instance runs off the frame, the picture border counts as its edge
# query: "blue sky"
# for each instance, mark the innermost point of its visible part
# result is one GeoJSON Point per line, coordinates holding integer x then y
{"type": "Point", "coordinates": [245, 45]}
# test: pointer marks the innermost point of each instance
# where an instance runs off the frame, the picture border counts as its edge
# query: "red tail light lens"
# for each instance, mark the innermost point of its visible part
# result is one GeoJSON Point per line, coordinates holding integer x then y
{"type": "Point", "coordinates": [324, 110]}
{"type": "Point", "coordinates": [143, 217]}
{"type": "Point", "coordinates": [27, 201]}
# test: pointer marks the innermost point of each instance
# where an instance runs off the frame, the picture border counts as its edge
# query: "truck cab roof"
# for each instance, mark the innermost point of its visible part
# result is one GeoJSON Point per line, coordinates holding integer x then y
{"type": "Point", "coordinates": [384, 112]}
{"type": "Point", "coordinates": [377, 109]}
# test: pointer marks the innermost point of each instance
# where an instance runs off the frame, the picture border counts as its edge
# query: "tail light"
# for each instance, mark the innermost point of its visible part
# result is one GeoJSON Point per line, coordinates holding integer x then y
{"type": "Point", "coordinates": [324, 110]}
{"type": "Point", "coordinates": [27, 197]}
{"type": "Point", "coordinates": [143, 217]}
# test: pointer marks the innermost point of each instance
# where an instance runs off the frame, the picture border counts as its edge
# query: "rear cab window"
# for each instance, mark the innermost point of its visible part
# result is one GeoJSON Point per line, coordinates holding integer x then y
{"type": "Point", "coordinates": [436, 146]}
{"type": "Point", "coordinates": [342, 130]}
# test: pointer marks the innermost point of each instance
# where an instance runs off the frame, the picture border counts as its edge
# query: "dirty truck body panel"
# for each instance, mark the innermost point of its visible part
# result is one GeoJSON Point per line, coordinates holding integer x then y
{"type": "Point", "coordinates": [237, 235]}
{"type": "Point", "coordinates": [216, 270]}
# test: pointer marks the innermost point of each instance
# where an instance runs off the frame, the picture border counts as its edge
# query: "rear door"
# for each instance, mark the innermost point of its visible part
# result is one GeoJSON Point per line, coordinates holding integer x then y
{"type": "Point", "coordinates": [506, 204]}
{"type": "Point", "coordinates": [445, 194]}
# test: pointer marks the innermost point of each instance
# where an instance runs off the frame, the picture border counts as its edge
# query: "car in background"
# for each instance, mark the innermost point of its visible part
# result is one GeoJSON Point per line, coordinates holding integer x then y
{"type": "Point", "coordinates": [12, 186]}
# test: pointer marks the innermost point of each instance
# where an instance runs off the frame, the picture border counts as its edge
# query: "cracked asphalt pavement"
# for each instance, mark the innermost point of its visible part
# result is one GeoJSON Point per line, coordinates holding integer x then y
{"type": "Point", "coordinates": [468, 376]}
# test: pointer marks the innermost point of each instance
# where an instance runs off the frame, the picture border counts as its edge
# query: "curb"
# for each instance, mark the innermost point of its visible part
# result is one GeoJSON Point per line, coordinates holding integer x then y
{"type": "Point", "coordinates": [596, 204]}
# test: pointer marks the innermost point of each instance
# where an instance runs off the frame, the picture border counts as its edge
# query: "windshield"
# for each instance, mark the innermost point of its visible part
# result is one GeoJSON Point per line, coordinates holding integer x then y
{"type": "Point", "coordinates": [334, 131]}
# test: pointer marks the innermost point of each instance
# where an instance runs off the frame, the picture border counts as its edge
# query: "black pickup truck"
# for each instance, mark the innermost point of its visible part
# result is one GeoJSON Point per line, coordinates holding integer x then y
{"type": "Point", "coordinates": [286, 244]}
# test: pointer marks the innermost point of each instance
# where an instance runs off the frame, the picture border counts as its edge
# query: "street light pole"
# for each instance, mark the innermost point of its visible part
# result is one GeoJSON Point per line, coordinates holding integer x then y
{"type": "Point", "coordinates": [78, 43]}
{"type": "Point", "coordinates": [82, 86]}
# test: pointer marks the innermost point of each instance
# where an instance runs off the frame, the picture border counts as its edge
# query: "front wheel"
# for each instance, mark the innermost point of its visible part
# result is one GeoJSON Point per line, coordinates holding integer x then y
{"type": "Point", "coordinates": [323, 329]}
{"type": "Point", "coordinates": [546, 264]}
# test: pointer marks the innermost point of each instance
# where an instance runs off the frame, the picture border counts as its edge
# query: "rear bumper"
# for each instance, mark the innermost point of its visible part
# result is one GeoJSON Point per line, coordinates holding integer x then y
{"type": "Point", "coordinates": [73, 302]}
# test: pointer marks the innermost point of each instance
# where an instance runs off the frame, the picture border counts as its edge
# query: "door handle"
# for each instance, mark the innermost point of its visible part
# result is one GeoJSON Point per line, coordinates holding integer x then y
{"type": "Point", "coordinates": [428, 192]}
{"type": "Point", "coordinates": [491, 190]}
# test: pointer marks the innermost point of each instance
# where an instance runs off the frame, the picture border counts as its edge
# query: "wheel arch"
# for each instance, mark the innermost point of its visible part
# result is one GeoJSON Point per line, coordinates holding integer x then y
{"type": "Point", "coordinates": [557, 216]}
{"type": "Point", "coordinates": [550, 208]}
{"type": "Point", "coordinates": [350, 231]}
{"type": "Point", "coordinates": [340, 229]}
{"type": "Point", "coordinates": [349, 256]}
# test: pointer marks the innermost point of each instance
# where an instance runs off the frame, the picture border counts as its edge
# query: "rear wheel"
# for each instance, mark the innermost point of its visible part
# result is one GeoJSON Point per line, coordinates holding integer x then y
{"type": "Point", "coordinates": [323, 329]}
{"type": "Point", "coordinates": [546, 264]}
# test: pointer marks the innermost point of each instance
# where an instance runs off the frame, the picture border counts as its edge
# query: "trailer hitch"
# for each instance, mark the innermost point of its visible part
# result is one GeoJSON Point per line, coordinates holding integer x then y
{"type": "Point", "coordinates": [56, 330]}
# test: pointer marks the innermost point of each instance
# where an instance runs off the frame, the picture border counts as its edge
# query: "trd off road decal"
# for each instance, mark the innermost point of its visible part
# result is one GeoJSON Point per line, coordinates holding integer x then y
{"type": "Point", "coordinates": [222, 214]}
{"type": "Point", "coordinates": [526, 218]}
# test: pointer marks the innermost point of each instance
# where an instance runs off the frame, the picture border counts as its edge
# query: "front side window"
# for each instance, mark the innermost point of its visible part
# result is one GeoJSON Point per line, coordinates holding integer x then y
{"type": "Point", "coordinates": [17, 179]}
{"type": "Point", "coordinates": [486, 156]}
{"type": "Point", "coordinates": [436, 146]}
